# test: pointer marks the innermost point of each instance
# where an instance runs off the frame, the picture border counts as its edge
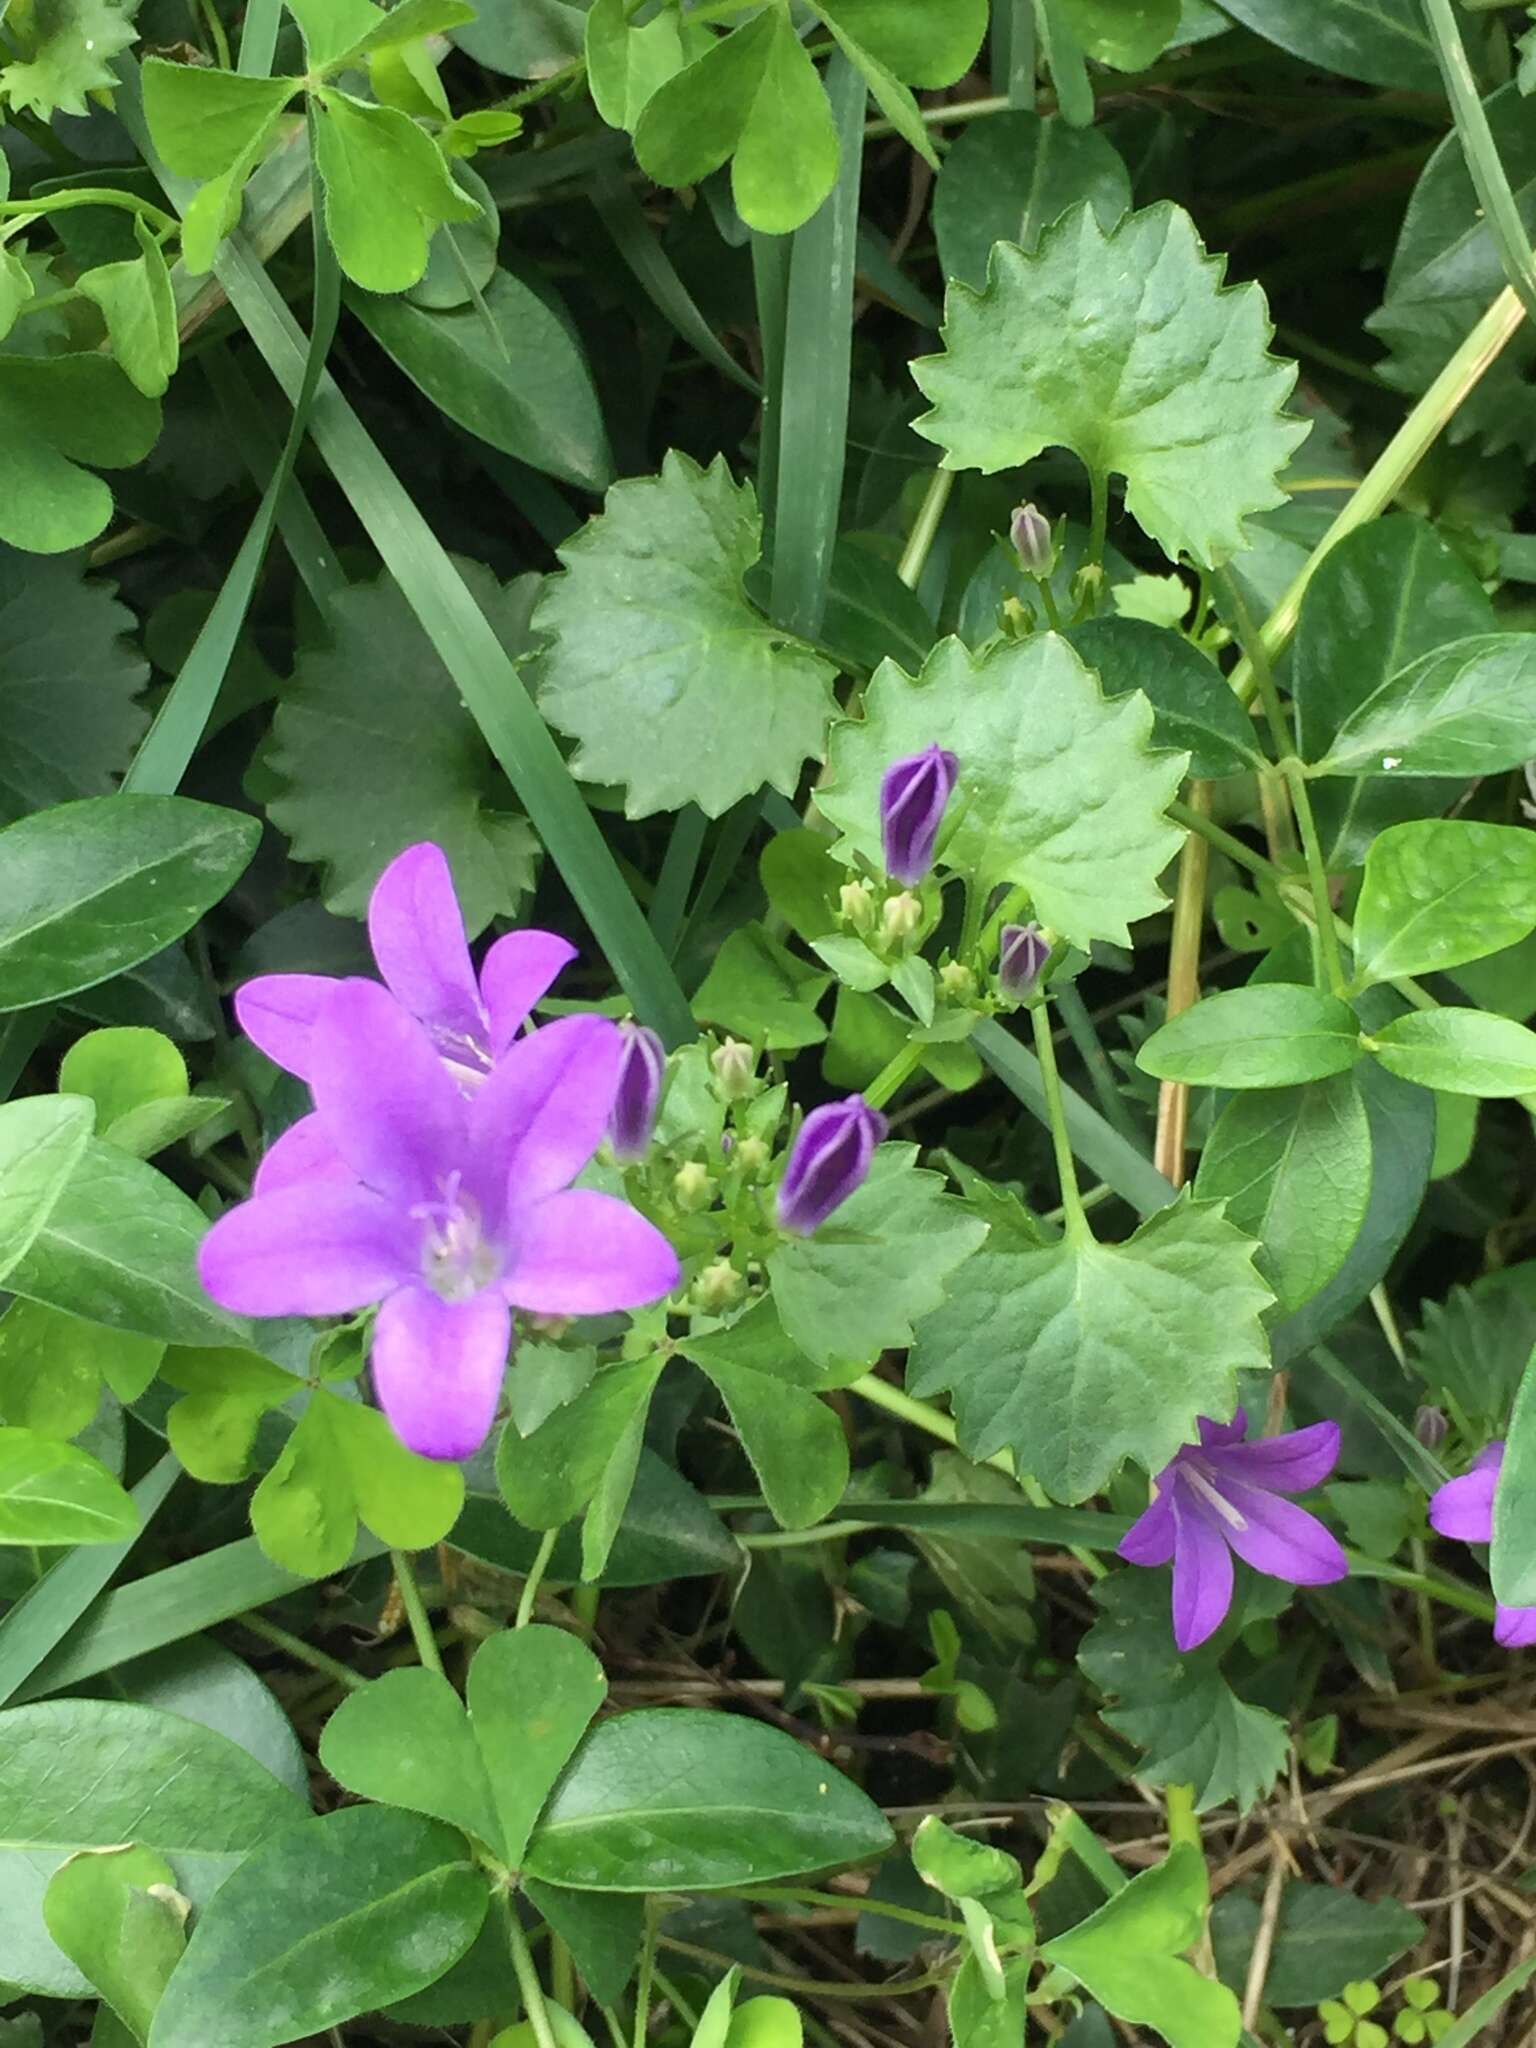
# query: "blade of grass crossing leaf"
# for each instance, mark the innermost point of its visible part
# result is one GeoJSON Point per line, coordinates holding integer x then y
{"type": "Point", "coordinates": [308, 549]}
{"type": "Point", "coordinates": [1497, 201]}
{"type": "Point", "coordinates": [622, 215]}
{"type": "Point", "coordinates": [679, 865]}
{"type": "Point", "coordinates": [43, 1617]}
{"type": "Point", "coordinates": [1095, 1141]}
{"type": "Point", "coordinates": [1418, 1460]}
{"type": "Point", "coordinates": [814, 380]}
{"type": "Point", "coordinates": [1472, 2022]}
{"type": "Point", "coordinates": [736, 829]}
{"type": "Point", "coordinates": [1013, 51]}
{"type": "Point", "coordinates": [258, 38]}
{"type": "Point", "coordinates": [770, 278]}
{"type": "Point", "coordinates": [169, 1606]}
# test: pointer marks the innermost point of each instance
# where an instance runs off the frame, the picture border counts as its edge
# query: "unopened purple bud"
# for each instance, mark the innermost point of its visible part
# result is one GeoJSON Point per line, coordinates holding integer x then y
{"type": "Point", "coordinates": [1023, 953]}
{"type": "Point", "coordinates": [1030, 532]}
{"type": "Point", "coordinates": [642, 1071]}
{"type": "Point", "coordinates": [913, 795]}
{"type": "Point", "coordinates": [828, 1162]}
{"type": "Point", "coordinates": [1431, 1427]}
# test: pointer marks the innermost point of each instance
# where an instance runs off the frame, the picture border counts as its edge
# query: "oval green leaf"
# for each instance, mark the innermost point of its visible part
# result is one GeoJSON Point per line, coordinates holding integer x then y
{"type": "Point", "coordinates": [1467, 709]}
{"type": "Point", "coordinates": [42, 1140]}
{"type": "Point", "coordinates": [52, 1493]}
{"type": "Point", "coordinates": [1269, 1035]}
{"type": "Point", "coordinates": [1460, 1052]}
{"type": "Point", "coordinates": [1441, 891]}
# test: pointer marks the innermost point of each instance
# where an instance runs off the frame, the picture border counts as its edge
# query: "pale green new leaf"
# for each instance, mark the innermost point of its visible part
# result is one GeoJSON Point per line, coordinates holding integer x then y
{"type": "Point", "coordinates": [709, 700]}
{"type": "Point", "coordinates": [117, 1915]}
{"type": "Point", "coordinates": [1466, 709]}
{"type": "Point", "coordinates": [627, 61]}
{"type": "Point", "coordinates": [1441, 891]}
{"type": "Point", "coordinates": [1061, 792]}
{"type": "Point", "coordinates": [386, 189]}
{"type": "Point", "coordinates": [1128, 349]}
{"type": "Point", "coordinates": [139, 307]}
{"type": "Point", "coordinates": [1078, 1356]}
{"type": "Point", "coordinates": [923, 46]}
{"type": "Point", "coordinates": [57, 412]}
{"type": "Point", "coordinates": [885, 1260]}
{"type": "Point", "coordinates": [202, 122]}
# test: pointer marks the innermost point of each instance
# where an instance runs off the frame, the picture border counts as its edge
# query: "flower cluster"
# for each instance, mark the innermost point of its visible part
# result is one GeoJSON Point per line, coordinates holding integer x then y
{"type": "Point", "coordinates": [433, 1178]}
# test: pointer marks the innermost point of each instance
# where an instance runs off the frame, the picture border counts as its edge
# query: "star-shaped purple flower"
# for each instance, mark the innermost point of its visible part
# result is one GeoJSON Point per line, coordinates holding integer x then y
{"type": "Point", "coordinates": [1463, 1509]}
{"type": "Point", "coordinates": [447, 1210]}
{"type": "Point", "coordinates": [1224, 1495]}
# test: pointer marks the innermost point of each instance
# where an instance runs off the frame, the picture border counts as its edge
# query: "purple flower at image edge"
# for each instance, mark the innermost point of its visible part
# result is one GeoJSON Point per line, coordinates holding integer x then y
{"type": "Point", "coordinates": [1223, 1495]}
{"type": "Point", "coordinates": [448, 1211]}
{"type": "Point", "coordinates": [829, 1161]}
{"type": "Point", "coordinates": [637, 1100]}
{"type": "Point", "coordinates": [913, 795]}
{"type": "Point", "coordinates": [1463, 1510]}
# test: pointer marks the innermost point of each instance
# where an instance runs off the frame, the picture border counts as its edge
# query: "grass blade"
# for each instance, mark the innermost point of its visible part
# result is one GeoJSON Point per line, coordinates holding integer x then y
{"type": "Point", "coordinates": [310, 552]}
{"type": "Point", "coordinates": [622, 215]}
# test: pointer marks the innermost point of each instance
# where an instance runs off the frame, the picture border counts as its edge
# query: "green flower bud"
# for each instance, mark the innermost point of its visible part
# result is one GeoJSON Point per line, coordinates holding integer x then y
{"type": "Point", "coordinates": [857, 906]}
{"type": "Point", "coordinates": [734, 1066]}
{"type": "Point", "coordinates": [718, 1287]}
{"type": "Point", "coordinates": [752, 1156]}
{"type": "Point", "coordinates": [957, 981]}
{"type": "Point", "coordinates": [692, 1187]}
{"type": "Point", "coordinates": [900, 917]}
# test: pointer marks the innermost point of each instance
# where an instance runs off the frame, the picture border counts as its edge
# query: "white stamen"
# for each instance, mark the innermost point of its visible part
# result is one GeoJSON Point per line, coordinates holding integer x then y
{"type": "Point", "coordinates": [1214, 1497]}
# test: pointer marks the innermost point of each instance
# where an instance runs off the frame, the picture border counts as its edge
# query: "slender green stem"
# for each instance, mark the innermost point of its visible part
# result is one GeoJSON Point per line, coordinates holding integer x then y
{"type": "Point", "coordinates": [1183, 1821]}
{"type": "Point", "coordinates": [535, 1578]}
{"type": "Point", "coordinates": [1098, 482]}
{"type": "Point", "coordinates": [1088, 1849]}
{"type": "Point", "coordinates": [1449, 1592]}
{"type": "Point", "coordinates": [1077, 1228]}
{"type": "Point", "coordinates": [644, 1973]}
{"type": "Point", "coordinates": [896, 1072]}
{"type": "Point", "coordinates": [1090, 1050]}
{"type": "Point", "coordinates": [527, 1976]}
{"type": "Point", "coordinates": [91, 195]}
{"type": "Point", "coordinates": [562, 1972]}
{"type": "Point", "coordinates": [914, 555]}
{"type": "Point", "coordinates": [797, 1539]}
{"type": "Point", "coordinates": [416, 1612]}
{"type": "Point", "coordinates": [1500, 213]}
{"type": "Point", "coordinates": [1048, 600]}
{"type": "Point", "coordinates": [304, 1653]}
{"type": "Point", "coordinates": [685, 2010]}
{"type": "Point", "coordinates": [1242, 855]}
{"type": "Point", "coordinates": [808, 1987]}
{"type": "Point", "coordinates": [216, 34]}
{"type": "Point", "coordinates": [1317, 873]}
{"type": "Point", "coordinates": [807, 1895]}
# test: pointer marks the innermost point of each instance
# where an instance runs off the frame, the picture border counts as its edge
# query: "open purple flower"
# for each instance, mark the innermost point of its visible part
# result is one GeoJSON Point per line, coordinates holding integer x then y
{"type": "Point", "coordinates": [828, 1162]}
{"type": "Point", "coordinates": [1463, 1509]}
{"type": "Point", "coordinates": [642, 1075]}
{"type": "Point", "coordinates": [1224, 1495]}
{"type": "Point", "coordinates": [913, 794]}
{"type": "Point", "coordinates": [417, 934]}
{"type": "Point", "coordinates": [447, 1211]}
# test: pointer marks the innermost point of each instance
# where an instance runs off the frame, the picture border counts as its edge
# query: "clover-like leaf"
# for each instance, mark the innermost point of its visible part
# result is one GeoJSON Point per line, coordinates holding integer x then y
{"type": "Point", "coordinates": [1078, 1355]}
{"type": "Point", "coordinates": [1127, 348]}
{"type": "Point", "coordinates": [1061, 792]}
{"type": "Point", "coordinates": [707, 700]}
{"type": "Point", "coordinates": [57, 412]}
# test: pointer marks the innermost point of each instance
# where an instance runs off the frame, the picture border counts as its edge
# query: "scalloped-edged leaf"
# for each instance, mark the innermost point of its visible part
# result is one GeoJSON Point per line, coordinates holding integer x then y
{"type": "Point", "coordinates": [65, 50]}
{"type": "Point", "coordinates": [1128, 349]}
{"type": "Point", "coordinates": [1061, 791]}
{"type": "Point", "coordinates": [1078, 1356]}
{"type": "Point", "coordinates": [675, 686]}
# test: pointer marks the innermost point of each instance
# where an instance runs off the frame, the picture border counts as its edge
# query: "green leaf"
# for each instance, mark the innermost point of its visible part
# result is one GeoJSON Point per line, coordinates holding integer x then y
{"type": "Point", "coordinates": [52, 1366]}
{"type": "Point", "coordinates": [888, 1257]}
{"type": "Point", "coordinates": [1007, 179]}
{"type": "Point", "coordinates": [1271, 1034]}
{"type": "Point", "coordinates": [801, 880]}
{"type": "Point", "coordinates": [122, 1069]}
{"type": "Point", "coordinates": [90, 888]}
{"type": "Point", "coordinates": [1323, 1937]}
{"type": "Point", "coordinates": [121, 1934]}
{"type": "Point", "coordinates": [754, 95]}
{"type": "Point", "coordinates": [532, 1692]}
{"type": "Point", "coordinates": [461, 257]}
{"type": "Point", "coordinates": [1178, 1709]}
{"type": "Point", "coordinates": [628, 61]}
{"type": "Point", "coordinates": [509, 369]}
{"type": "Point", "coordinates": [1293, 1166]}
{"type": "Point", "coordinates": [406, 1739]}
{"type": "Point", "coordinates": [1384, 42]}
{"type": "Point", "coordinates": [202, 122]}
{"type": "Point", "coordinates": [1460, 1052]}
{"type": "Point", "coordinates": [1128, 35]}
{"type": "Point", "coordinates": [794, 1441]}
{"type": "Point", "coordinates": [1464, 710]}
{"type": "Point", "coordinates": [1079, 1356]}
{"type": "Point", "coordinates": [57, 412]}
{"type": "Point", "coordinates": [927, 46]}
{"type": "Point", "coordinates": [1038, 745]}
{"type": "Point", "coordinates": [42, 1141]}
{"type": "Point", "coordinates": [1513, 1558]}
{"type": "Point", "coordinates": [603, 1931]}
{"type": "Point", "coordinates": [75, 1774]}
{"type": "Point", "coordinates": [958, 1865]}
{"type": "Point", "coordinates": [762, 992]}
{"type": "Point", "coordinates": [1193, 708]}
{"type": "Point", "coordinates": [550, 1476]}
{"type": "Point", "coordinates": [1442, 891]}
{"type": "Point", "coordinates": [120, 1248]}
{"type": "Point", "coordinates": [331, 28]}
{"type": "Point", "coordinates": [711, 700]}
{"type": "Point", "coordinates": [1127, 1955]}
{"type": "Point", "coordinates": [371, 728]}
{"type": "Point", "coordinates": [1038, 360]}
{"type": "Point", "coordinates": [52, 1493]}
{"type": "Point", "coordinates": [407, 22]}
{"type": "Point", "coordinates": [65, 49]}
{"type": "Point", "coordinates": [139, 307]}
{"type": "Point", "coordinates": [680, 1799]}
{"type": "Point", "coordinates": [206, 1683]}
{"type": "Point", "coordinates": [387, 188]}
{"type": "Point", "coordinates": [331, 1918]}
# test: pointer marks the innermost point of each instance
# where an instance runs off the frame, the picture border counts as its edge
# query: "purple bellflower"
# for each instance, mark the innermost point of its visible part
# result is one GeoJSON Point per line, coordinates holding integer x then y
{"type": "Point", "coordinates": [1224, 1495]}
{"type": "Point", "coordinates": [1463, 1509]}
{"type": "Point", "coordinates": [1022, 953]}
{"type": "Point", "coordinates": [913, 794]}
{"type": "Point", "coordinates": [642, 1075]}
{"type": "Point", "coordinates": [828, 1162]}
{"type": "Point", "coordinates": [447, 1211]}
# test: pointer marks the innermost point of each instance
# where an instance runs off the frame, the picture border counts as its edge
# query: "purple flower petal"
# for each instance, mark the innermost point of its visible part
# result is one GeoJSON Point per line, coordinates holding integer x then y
{"type": "Point", "coordinates": [1202, 1576]}
{"type": "Point", "coordinates": [829, 1161]}
{"type": "Point", "coordinates": [581, 1253]}
{"type": "Point", "coordinates": [277, 1013]}
{"type": "Point", "coordinates": [302, 1153]}
{"type": "Point", "coordinates": [914, 792]}
{"type": "Point", "coordinates": [1292, 1463]}
{"type": "Point", "coordinates": [1282, 1540]}
{"type": "Point", "coordinates": [1150, 1538]}
{"type": "Point", "coordinates": [438, 1367]}
{"type": "Point", "coordinates": [517, 972]}
{"type": "Point", "coordinates": [642, 1076]}
{"type": "Point", "coordinates": [383, 1095]}
{"type": "Point", "coordinates": [1213, 1435]}
{"type": "Point", "coordinates": [1515, 1627]}
{"type": "Point", "coordinates": [539, 1118]}
{"type": "Point", "coordinates": [418, 939]}
{"type": "Point", "coordinates": [316, 1249]}
{"type": "Point", "coordinates": [1463, 1508]}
